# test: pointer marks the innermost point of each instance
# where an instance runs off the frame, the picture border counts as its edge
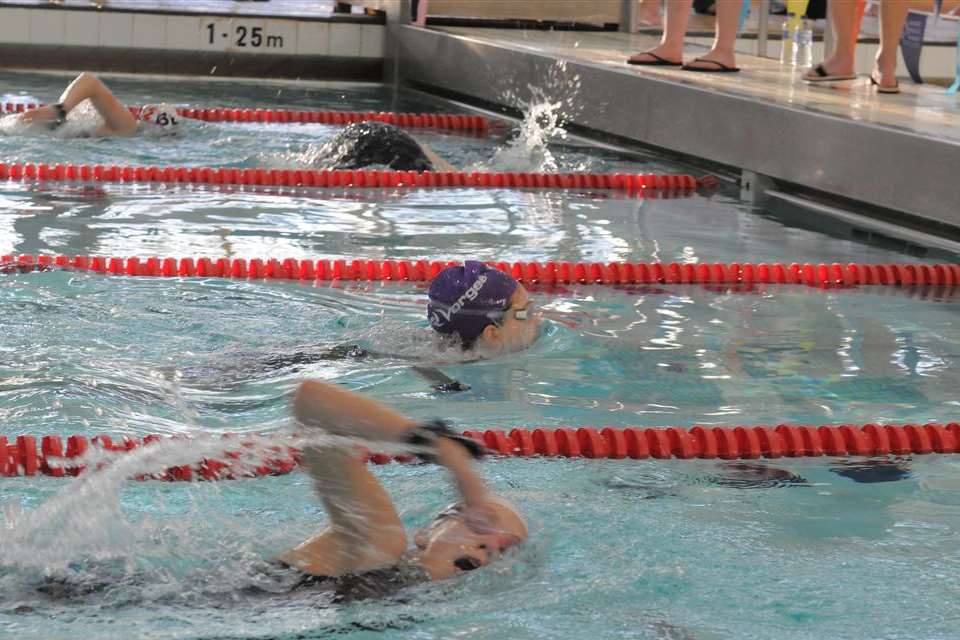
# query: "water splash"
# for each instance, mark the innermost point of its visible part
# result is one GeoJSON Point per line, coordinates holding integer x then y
{"type": "Point", "coordinates": [548, 107]}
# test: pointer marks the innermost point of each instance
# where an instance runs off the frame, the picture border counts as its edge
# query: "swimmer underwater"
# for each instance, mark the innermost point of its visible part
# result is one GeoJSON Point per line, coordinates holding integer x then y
{"type": "Point", "coordinates": [117, 120]}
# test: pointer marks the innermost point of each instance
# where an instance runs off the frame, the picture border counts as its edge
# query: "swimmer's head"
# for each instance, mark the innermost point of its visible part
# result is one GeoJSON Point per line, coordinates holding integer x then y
{"type": "Point", "coordinates": [161, 118]}
{"type": "Point", "coordinates": [365, 144]}
{"type": "Point", "coordinates": [482, 306]}
{"type": "Point", "coordinates": [464, 538]}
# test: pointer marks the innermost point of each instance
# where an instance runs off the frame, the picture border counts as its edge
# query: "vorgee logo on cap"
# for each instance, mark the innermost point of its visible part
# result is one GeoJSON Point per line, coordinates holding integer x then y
{"type": "Point", "coordinates": [470, 294]}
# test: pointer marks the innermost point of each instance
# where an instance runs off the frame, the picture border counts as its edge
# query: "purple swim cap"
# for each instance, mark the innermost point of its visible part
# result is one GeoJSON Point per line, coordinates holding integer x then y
{"type": "Point", "coordinates": [464, 300]}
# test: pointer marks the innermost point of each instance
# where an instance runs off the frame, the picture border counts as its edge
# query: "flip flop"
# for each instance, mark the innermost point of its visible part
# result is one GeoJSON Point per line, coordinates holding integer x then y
{"type": "Point", "coordinates": [824, 76]}
{"type": "Point", "coordinates": [720, 68]}
{"type": "Point", "coordinates": [882, 88]}
{"type": "Point", "coordinates": [656, 62]}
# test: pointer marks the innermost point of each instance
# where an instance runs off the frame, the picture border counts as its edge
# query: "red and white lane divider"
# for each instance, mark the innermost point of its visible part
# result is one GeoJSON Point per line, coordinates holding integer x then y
{"type": "Point", "coordinates": [614, 273]}
{"type": "Point", "coordinates": [446, 121]}
{"type": "Point", "coordinates": [23, 456]}
{"type": "Point", "coordinates": [641, 183]}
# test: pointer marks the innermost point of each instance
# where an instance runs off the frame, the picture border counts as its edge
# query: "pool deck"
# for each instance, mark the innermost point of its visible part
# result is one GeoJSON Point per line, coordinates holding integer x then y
{"type": "Point", "coordinates": [897, 154]}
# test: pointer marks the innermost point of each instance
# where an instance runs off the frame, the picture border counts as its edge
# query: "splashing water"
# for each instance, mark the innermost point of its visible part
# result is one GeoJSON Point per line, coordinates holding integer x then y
{"type": "Point", "coordinates": [544, 113]}
{"type": "Point", "coordinates": [89, 508]}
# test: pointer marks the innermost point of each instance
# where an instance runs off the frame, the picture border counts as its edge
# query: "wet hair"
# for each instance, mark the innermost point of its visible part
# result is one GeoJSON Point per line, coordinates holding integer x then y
{"type": "Point", "coordinates": [363, 144]}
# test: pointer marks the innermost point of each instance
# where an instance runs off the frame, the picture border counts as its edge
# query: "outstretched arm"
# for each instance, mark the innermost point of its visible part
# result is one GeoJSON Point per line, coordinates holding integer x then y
{"type": "Point", "coordinates": [86, 86]}
{"type": "Point", "coordinates": [439, 164]}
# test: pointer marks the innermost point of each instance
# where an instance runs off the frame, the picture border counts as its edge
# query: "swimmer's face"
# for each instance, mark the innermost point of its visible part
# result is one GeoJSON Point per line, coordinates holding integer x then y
{"type": "Point", "coordinates": [520, 325]}
{"type": "Point", "coordinates": [461, 540]}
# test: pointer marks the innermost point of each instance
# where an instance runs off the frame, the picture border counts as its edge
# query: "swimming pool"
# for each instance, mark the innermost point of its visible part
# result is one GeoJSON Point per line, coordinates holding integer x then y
{"type": "Point", "coordinates": [652, 549]}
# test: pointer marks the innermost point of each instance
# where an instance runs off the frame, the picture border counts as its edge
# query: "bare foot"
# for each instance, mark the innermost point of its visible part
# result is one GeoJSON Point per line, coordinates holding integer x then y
{"type": "Point", "coordinates": [885, 73]}
{"type": "Point", "coordinates": [832, 67]}
{"type": "Point", "coordinates": [651, 59]}
{"type": "Point", "coordinates": [713, 61]}
{"type": "Point", "coordinates": [658, 53]}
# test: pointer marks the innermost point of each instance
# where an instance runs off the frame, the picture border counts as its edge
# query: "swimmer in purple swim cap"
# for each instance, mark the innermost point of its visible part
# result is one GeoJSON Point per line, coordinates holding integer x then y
{"type": "Point", "coordinates": [482, 307]}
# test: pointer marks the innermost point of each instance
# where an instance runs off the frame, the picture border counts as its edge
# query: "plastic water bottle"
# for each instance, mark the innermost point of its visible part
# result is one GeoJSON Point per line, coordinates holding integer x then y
{"type": "Point", "coordinates": [804, 47]}
{"type": "Point", "coordinates": [788, 40]}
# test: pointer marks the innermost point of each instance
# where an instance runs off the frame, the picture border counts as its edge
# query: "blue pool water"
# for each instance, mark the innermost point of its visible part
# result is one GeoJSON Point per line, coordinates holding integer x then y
{"type": "Point", "coordinates": [639, 549]}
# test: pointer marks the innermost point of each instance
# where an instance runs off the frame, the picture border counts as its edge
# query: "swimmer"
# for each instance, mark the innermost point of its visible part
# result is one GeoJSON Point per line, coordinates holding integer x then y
{"type": "Point", "coordinates": [479, 307]}
{"type": "Point", "coordinates": [471, 308]}
{"type": "Point", "coordinates": [114, 118]}
{"type": "Point", "coordinates": [364, 551]}
{"type": "Point", "coordinates": [365, 144]}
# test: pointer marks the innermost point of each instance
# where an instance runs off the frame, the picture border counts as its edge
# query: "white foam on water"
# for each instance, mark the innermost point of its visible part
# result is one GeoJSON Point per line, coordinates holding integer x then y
{"type": "Point", "coordinates": [549, 105]}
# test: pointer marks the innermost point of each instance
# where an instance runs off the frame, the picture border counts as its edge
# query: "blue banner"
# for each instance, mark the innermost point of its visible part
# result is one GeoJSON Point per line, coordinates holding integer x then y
{"type": "Point", "coordinates": [956, 83]}
{"type": "Point", "coordinates": [911, 43]}
{"type": "Point", "coordinates": [744, 12]}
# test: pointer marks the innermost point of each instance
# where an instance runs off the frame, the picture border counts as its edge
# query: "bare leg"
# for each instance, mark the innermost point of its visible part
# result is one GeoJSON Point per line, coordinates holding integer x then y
{"type": "Point", "coordinates": [650, 13]}
{"type": "Point", "coordinates": [893, 13]}
{"type": "Point", "coordinates": [674, 31]}
{"type": "Point", "coordinates": [728, 18]}
{"type": "Point", "coordinates": [845, 21]}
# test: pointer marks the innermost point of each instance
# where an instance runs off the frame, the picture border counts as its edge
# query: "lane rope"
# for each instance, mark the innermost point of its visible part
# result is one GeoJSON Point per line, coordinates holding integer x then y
{"type": "Point", "coordinates": [27, 455]}
{"type": "Point", "coordinates": [625, 182]}
{"type": "Point", "coordinates": [615, 273]}
{"type": "Point", "coordinates": [446, 121]}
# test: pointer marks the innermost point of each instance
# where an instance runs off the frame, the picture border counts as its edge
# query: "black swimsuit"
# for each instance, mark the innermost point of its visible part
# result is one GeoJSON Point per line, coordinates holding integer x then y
{"type": "Point", "coordinates": [379, 583]}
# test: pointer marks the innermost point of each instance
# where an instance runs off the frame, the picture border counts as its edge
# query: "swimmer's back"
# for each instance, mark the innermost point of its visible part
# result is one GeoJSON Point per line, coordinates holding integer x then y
{"type": "Point", "coordinates": [364, 144]}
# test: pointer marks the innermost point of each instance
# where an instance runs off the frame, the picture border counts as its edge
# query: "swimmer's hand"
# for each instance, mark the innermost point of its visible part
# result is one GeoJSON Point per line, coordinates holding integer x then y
{"type": "Point", "coordinates": [452, 387]}
{"type": "Point", "coordinates": [442, 382]}
{"type": "Point", "coordinates": [344, 351]}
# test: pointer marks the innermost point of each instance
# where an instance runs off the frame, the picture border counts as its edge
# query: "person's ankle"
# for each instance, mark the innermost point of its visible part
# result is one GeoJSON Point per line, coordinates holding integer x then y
{"type": "Point", "coordinates": [838, 65]}
{"type": "Point", "coordinates": [886, 64]}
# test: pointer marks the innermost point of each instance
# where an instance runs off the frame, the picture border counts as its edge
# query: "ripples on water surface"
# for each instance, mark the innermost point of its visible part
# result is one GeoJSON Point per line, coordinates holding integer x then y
{"type": "Point", "coordinates": [649, 549]}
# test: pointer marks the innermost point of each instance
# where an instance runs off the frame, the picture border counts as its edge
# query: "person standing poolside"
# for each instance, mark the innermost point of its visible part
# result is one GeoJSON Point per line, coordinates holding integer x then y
{"type": "Point", "coordinates": [364, 550]}
{"type": "Point", "coordinates": [669, 53]}
{"type": "Point", "coordinates": [846, 19]}
{"type": "Point", "coordinates": [114, 118]}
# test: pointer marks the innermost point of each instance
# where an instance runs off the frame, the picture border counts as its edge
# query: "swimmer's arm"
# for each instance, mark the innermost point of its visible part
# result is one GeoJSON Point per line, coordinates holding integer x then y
{"type": "Point", "coordinates": [86, 86]}
{"type": "Point", "coordinates": [439, 164]}
{"type": "Point", "coordinates": [365, 530]}
{"type": "Point", "coordinates": [459, 463]}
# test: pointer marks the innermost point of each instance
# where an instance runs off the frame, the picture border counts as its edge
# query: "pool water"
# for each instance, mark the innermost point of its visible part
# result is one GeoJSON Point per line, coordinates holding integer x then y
{"type": "Point", "coordinates": [641, 549]}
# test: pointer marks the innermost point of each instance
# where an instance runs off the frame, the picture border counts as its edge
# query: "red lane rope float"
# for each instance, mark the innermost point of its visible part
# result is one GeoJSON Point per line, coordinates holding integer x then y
{"type": "Point", "coordinates": [448, 121]}
{"type": "Point", "coordinates": [614, 273]}
{"type": "Point", "coordinates": [20, 456]}
{"type": "Point", "coordinates": [626, 182]}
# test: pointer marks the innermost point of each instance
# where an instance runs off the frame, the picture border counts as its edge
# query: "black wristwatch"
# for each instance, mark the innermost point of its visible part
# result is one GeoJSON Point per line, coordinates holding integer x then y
{"type": "Point", "coordinates": [425, 437]}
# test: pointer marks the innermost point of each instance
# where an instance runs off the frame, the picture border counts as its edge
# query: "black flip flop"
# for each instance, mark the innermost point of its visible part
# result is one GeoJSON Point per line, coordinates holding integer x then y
{"type": "Point", "coordinates": [721, 68]}
{"type": "Point", "coordinates": [656, 62]}
{"type": "Point", "coordinates": [822, 75]}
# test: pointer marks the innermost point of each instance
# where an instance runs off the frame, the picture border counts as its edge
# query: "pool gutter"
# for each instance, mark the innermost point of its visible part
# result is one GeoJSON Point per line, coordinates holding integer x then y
{"type": "Point", "coordinates": [877, 166]}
